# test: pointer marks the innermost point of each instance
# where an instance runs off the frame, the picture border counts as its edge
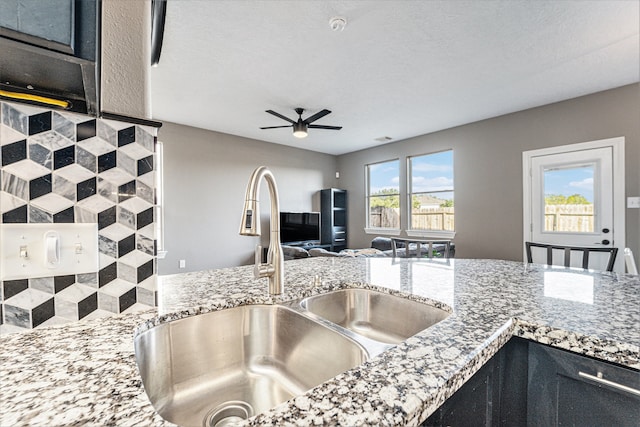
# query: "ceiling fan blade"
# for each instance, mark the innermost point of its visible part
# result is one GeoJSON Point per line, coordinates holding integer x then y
{"type": "Point", "coordinates": [276, 127]}
{"type": "Point", "coordinates": [325, 127]}
{"type": "Point", "coordinates": [280, 116]}
{"type": "Point", "coordinates": [316, 116]}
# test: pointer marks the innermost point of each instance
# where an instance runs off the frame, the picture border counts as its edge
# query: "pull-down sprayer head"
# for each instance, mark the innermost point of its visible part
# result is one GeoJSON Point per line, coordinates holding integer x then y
{"type": "Point", "coordinates": [250, 224]}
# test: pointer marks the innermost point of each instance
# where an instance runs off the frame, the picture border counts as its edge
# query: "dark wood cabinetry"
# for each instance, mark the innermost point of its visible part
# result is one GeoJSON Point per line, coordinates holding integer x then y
{"type": "Point", "coordinates": [333, 218]}
{"type": "Point", "coordinates": [529, 384]}
{"type": "Point", "coordinates": [493, 396]}
{"type": "Point", "coordinates": [50, 48]}
{"type": "Point", "coordinates": [569, 389]}
{"type": "Point", "coordinates": [66, 26]}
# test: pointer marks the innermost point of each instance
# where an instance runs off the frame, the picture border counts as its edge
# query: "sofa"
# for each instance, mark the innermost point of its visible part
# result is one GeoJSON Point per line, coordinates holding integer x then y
{"type": "Point", "coordinates": [380, 247]}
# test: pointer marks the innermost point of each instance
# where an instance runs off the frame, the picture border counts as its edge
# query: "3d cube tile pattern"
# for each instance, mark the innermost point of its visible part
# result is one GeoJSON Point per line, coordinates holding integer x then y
{"type": "Point", "coordinates": [58, 167]}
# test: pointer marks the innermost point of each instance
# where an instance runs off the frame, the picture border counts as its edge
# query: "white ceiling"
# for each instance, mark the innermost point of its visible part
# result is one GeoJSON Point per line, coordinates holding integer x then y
{"type": "Point", "coordinates": [399, 68]}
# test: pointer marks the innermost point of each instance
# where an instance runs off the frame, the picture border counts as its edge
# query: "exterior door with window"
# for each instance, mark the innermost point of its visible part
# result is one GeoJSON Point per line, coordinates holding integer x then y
{"type": "Point", "coordinates": [572, 198]}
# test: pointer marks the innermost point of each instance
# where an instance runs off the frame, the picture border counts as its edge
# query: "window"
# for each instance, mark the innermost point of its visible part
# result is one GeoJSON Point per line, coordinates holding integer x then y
{"type": "Point", "coordinates": [568, 199]}
{"type": "Point", "coordinates": [383, 195]}
{"type": "Point", "coordinates": [431, 192]}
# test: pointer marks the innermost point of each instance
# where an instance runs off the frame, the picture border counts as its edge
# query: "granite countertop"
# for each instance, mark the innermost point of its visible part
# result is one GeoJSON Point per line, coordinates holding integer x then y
{"type": "Point", "coordinates": [85, 373]}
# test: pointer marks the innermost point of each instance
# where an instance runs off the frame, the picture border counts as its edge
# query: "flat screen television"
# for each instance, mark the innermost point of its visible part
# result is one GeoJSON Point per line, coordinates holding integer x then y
{"type": "Point", "coordinates": [299, 227]}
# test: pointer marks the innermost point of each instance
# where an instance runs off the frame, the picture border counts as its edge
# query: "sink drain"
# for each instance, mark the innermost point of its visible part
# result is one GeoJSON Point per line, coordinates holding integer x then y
{"type": "Point", "coordinates": [228, 414]}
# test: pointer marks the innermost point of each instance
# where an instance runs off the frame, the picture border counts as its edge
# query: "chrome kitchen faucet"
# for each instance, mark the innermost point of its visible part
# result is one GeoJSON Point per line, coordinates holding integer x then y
{"type": "Point", "coordinates": [250, 226]}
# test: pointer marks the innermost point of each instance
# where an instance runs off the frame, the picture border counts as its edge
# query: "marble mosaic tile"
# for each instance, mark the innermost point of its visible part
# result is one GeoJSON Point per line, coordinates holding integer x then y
{"type": "Point", "coordinates": [145, 241]}
{"type": "Point", "coordinates": [145, 187]}
{"type": "Point", "coordinates": [44, 284]}
{"type": "Point", "coordinates": [147, 291]}
{"type": "Point", "coordinates": [40, 186]}
{"type": "Point", "coordinates": [96, 209]}
{"type": "Point", "coordinates": [116, 185]}
{"type": "Point", "coordinates": [64, 124]}
{"type": "Point", "coordinates": [135, 159]}
{"type": "Point", "coordinates": [116, 296]}
{"type": "Point", "coordinates": [13, 287]}
{"type": "Point", "coordinates": [17, 118]}
{"type": "Point", "coordinates": [61, 283]}
{"type": "Point", "coordinates": [40, 122]}
{"type": "Point", "coordinates": [14, 152]}
{"type": "Point", "coordinates": [76, 302]}
{"type": "Point", "coordinates": [29, 308]}
{"type": "Point", "coordinates": [135, 213]}
{"type": "Point", "coordinates": [96, 155]}
{"type": "Point", "coordinates": [9, 136]}
{"type": "Point", "coordinates": [116, 240]}
{"type": "Point", "coordinates": [89, 279]}
{"type": "Point", "coordinates": [74, 182]}
{"type": "Point", "coordinates": [144, 137]}
{"type": "Point", "coordinates": [14, 209]}
{"type": "Point", "coordinates": [126, 136]}
{"type": "Point", "coordinates": [107, 133]}
{"type": "Point", "coordinates": [108, 270]}
{"type": "Point", "coordinates": [51, 150]}
{"type": "Point", "coordinates": [26, 179]}
{"type": "Point", "coordinates": [61, 167]}
{"type": "Point", "coordinates": [51, 208]}
{"type": "Point", "coordinates": [135, 266]}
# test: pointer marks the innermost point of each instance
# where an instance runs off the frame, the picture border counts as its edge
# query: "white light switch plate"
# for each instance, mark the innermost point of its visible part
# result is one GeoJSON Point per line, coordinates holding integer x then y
{"type": "Point", "coordinates": [77, 250]}
{"type": "Point", "coordinates": [633, 202]}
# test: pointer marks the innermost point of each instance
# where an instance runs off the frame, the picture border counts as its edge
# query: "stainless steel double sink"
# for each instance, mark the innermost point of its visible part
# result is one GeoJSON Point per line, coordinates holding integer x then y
{"type": "Point", "coordinates": [218, 368]}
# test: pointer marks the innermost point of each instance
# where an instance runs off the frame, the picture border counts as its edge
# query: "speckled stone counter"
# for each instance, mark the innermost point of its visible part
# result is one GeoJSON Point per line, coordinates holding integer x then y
{"type": "Point", "coordinates": [85, 373]}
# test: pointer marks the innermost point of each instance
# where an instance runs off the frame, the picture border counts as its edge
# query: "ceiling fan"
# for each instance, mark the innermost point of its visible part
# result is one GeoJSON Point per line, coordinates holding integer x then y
{"type": "Point", "coordinates": [300, 126]}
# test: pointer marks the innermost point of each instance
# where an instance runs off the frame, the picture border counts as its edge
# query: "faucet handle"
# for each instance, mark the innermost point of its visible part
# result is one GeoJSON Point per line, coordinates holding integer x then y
{"type": "Point", "coordinates": [261, 269]}
{"type": "Point", "coordinates": [257, 262]}
{"type": "Point", "coordinates": [258, 255]}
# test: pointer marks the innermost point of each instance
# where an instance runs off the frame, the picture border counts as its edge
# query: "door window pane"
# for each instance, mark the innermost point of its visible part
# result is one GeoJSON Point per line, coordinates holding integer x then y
{"type": "Point", "coordinates": [569, 199]}
{"type": "Point", "coordinates": [431, 192]}
{"type": "Point", "coordinates": [383, 195]}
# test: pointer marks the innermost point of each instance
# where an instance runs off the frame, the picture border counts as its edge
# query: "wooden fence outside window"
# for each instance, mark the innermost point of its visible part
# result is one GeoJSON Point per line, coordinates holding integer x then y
{"type": "Point", "coordinates": [562, 218]}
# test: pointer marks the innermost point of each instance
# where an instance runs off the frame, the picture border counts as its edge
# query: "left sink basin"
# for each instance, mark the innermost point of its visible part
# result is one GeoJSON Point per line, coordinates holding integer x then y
{"type": "Point", "coordinates": [220, 367]}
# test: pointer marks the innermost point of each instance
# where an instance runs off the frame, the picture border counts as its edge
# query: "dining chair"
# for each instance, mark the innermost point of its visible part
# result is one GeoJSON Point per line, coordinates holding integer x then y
{"type": "Point", "coordinates": [397, 242]}
{"type": "Point", "coordinates": [630, 262]}
{"type": "Point", "coordinates": [567, 253]}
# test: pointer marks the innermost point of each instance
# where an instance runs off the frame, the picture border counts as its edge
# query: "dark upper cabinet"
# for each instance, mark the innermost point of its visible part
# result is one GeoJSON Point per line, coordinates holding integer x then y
{"type": "Point", "coordinates": [66, 26]}
{"type": "Point", "coordinates": [333, 218]}
{"type": "Point", "coordinates": [50, 48]}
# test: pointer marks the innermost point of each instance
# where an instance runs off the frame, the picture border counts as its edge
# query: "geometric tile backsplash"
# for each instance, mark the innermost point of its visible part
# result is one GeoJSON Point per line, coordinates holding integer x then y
{"type": "Point", "coordinates": [59, 167]}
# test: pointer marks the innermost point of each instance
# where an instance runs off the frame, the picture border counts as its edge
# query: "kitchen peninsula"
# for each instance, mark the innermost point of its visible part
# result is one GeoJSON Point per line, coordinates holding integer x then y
{"type": "Point", "coordinates": [85, 373]}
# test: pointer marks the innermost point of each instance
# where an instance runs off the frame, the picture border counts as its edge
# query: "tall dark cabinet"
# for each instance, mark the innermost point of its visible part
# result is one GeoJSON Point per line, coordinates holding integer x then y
{"type": "Point", "coordinates": [333, 218]}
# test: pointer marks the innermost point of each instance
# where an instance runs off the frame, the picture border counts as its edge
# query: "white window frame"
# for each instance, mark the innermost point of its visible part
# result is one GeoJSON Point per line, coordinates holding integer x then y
{"type": "Point", "coordinates": [379, 230]}
{"type": "Point", "coordinates": [436, 234]}
{"type": "Point", "coordinates": [159, 208]}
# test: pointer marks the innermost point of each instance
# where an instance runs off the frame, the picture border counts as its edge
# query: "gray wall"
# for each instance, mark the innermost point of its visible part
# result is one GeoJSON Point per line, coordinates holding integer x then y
{"type": "Point", "coordinates": [488, 167]}
{"type": "Point", "coordinates": [205, 177]}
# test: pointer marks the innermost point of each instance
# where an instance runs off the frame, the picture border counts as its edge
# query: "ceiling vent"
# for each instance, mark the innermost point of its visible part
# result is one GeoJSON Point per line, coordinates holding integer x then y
{"type": "Point", "coordinates": [384, 139]}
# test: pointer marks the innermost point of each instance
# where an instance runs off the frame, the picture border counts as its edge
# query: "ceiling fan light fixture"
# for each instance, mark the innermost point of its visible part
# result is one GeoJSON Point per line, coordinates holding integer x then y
{"type": "Point", "coordinates": [301, 127]}
{"type": "Point", "coordinates": [299, 130]}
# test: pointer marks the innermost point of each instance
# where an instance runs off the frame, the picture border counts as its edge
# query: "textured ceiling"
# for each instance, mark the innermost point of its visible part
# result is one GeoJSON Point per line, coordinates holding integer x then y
{"type": "Point", "coordinates": [399, 68]}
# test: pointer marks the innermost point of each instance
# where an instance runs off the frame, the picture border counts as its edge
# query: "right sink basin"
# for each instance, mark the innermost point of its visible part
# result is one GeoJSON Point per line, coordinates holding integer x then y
{"type": "Point", "coordinates": [376, 315]}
